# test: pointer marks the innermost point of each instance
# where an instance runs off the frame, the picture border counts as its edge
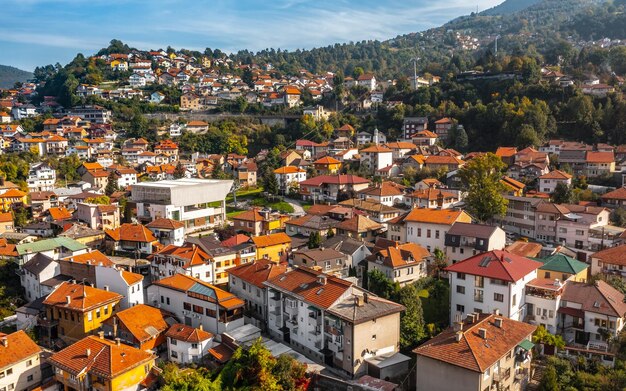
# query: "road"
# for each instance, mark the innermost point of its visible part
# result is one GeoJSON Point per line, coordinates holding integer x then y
{"type": "Point", "coordinates": [297, 206]}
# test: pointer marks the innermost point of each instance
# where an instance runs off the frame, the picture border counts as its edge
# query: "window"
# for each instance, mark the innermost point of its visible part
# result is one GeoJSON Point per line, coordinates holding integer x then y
{"type": "Point", "coordinates": [174, 354]}
{"type": "Point", "coordinates": [498, 297]}
{"type": "Point", "coordinates": [460, 289]}
{"type": "Point", "coordinates": [547, 274]}
{"type": "Point", "coordinates": [479, 281]}
{"type": "Point", "coordinates": [514, 300]}
{"type": "Point", "coordinates": [187, 306]}
{"type": "Point", "coordinates": [428, 233]}
{"type": "Point", "coordinates": [89, 316]}
{"type": "Point", "coordinates": [106, 310]}
{"type": "Point", "coordinates": [98, 313]}
{"type": "Point", "coordinates": [437, 234]}
{"type": "Point", "coordinates": [460, 276]}
{"type": "Point", "coordinates": [478, 295]}
{"type": "Point", "coordinates": [29, 378]}
{"type": "Point", "coordinates": [194, 346]}
{"type": "Point", "coordinates": [374, 337]}
{"type": "Point", "coordinates": [162, 300]}
{"type": "Point", "coordinates": [29, 363]}
{"type": "Point", "coordinates": [460, 308]}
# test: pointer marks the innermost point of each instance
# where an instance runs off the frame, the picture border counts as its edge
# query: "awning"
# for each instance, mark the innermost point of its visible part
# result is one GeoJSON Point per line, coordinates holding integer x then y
{"type": "Point", "coordinates": [578, 313]}
{"type": "Point", "coordinates": [526, 345]}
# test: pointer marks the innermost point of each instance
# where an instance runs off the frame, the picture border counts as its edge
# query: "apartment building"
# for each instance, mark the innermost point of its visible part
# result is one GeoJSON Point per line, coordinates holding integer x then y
{"type": "Point", "coordinates": [41, 177]}
{"type": "Point", "coordinates": [197, 203]}
{"type": "Point", "coordinates": [328, 260]}
{"type": "Point", "coordinates": [490, 281]}
{"type": "Point", "coordinates": [464, 240]}
{"type": "Point", "coordinates": [331, 320]}
{"type": "Point", "coordinates": [188, 259]}
{"type": "Point", "coordinates": [428, 227]}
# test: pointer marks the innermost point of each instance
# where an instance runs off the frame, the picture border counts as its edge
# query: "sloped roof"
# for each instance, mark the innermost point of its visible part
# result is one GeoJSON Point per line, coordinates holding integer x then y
{"type": "Point", "coordinates": [165, 224]}
{"type": "Point", "coordinates": [131, 233]}
{"type": "Point", "coordinates": [617, 194]}
{"type": "Point", "coordinates": [472, 352]}
{"type": "Point", "coordinates": [186, 333]}
{"type": "Point", "coordinates": [19, 347]}
{"type": "Point", "coordinates": [613, 255]}
{"type": "Point", "coordinates": [271, 240]}
{"type": "Point", "coordinates": [94, 257]}
{"type": "Point", "coordinates": [599, 297]}
{"type": "Point", "coordinates": [334, 180]}
{"type": "Point", "coordinates": [359, 223]}
{"type": "Point", "coordinates": [563, 264]}
{"type": "Point", "coordinates": [434, 216]}
{"type": "Point", "coordinates": [556, 174]}
{"type": "Point", "coordinates": [496, 264]}
{"type": "Point", "coordinates": [59, 213]}
{"type": "Point", "coordinates": [142, 321]}
{"type": "Point", "coordinates": [385, 189]}
{"type": "Point", "coordinates": [82, 297]}
{"type": "Point", "coordinates": [399, 255]}
{"type": "Point", "coordinates": [38, 263]}
{"type": "Point", "coordinates": [258, 271]}
{"type": "Point", "coordinates": [190, 254]}
{"type": "Point", "coordinates": [185, 283]}
{"type": "Point", "coordinates": [49, 244]}
{"type": "Point", "coordinates": [524, 249]}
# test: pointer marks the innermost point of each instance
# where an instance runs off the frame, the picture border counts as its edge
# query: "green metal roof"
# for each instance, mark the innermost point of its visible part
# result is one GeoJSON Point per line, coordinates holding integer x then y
{"type": "Point", "coordinates": [526, 345]}
{"type": "Point", "coordinates": [563, 264]}
{"type": "Point", "coordinates": [49, 244]}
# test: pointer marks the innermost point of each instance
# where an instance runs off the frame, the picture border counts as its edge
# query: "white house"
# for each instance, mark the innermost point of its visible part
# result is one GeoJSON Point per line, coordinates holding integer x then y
{"type": "Point", "coordinates": [376, 157]}
{"type": "Point", "coordinates": [127, 284]}
{"type": "Point", "coordinates": [176, 129]}
{"type": "Point", "coordinates": [20, 367]}
{"type": "Point", "coordinates": [41, 177]}
{"type": "Point", "coordinates": [156, 97]}
{"type": "Point", "coordinates": [289, 176]}
{"type": "Point", "coordinates": [387, 193]}
{"type": "Point", "coordinates": [167, 231]}
{"type": "Point", "coordinates": [186, 344]}
{"type": "Point", "coordinates": [188, 259]}
{"type": "Point", "coordinates": [428, 227]}
{"type": "Point", "coordinates": [490, 281]}
{"type": "Point", "coordinates": [549, 181]}
{"type": "Point", "coordinates": [136, 80]}
{"type": "Point", "coordinates": [35, 272]}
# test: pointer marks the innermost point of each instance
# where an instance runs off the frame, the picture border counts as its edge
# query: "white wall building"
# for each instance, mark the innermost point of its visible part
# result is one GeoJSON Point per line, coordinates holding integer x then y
{"type": "Point", "coordinates": [41, 177]}
{"type": "Point", "coordinates": [428, 227]}
{"type": "Point", "coordinates": [127, 284]}
{"type": "Point", "coordinates": [187, 345]}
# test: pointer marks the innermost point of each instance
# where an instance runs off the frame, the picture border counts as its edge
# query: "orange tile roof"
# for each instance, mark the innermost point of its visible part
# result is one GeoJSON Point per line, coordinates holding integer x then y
{"type": "Point", "coordinates": [556, 174]}
{"type": "Point", "coordinates": [524, 249]}
{"type": "Point", "coordinates": [436, 159]}
{"type": "Point", "coordinates": [426, 133]}
{"type": "Point", "coordinates": [190, 254]}
{"type": "Point", "coordinates": [506, 151]}
{"type": "Point", "coordinates": [131, 278]}
{"type": "Point", "coordinates": [271, 240]}
{"type": "Point", "coordinates": [94, 257]}
{"type": "Point", "coordinates": [222, 353]}
{"type": "Point", "coordinates": [327, 160]}
{"type": "Point", "coordinates": [165, 224]}
{"type": "Point", "coordinates": [617, 194]}
{"type": "Point", "coordinates": [600, 157]}
{"type": "Point", "coordinates": [140, 319]}
{"type": "Point", "coordinates": [235, 240]}
{"type": "Point", "coordinates": [197, 123]}
{"type": "Point", "coordinates": [13, 193]}
{"type": "Point", "coordinates": [400, 255]}
{"type": "Point", "coordinates": [186, 333]}
{"type": "Point", "coordinates": [307, 284]}
{"type": "Point", "coordinates": [7, 249]}
{"type": "Point", "coordinates": [432, 194]}
{"type": "Point", "coordinates": [288, 170]}
{"type": "Point", "coordinates": [59, 213]}
{"type": "Point", "coordinates": [184, 283]}
{"type": "Point", "coordinates": [444, 120]}
{"type": "Point", "coordinates": [19, 347]}
{"type": "Point", "coordinates": [249, 215]}
{"type": "Point", "coordinates": [386, 188]}
{"type": "Point", "coordinates": [376, 149]}
{"type": "Point", "coordinates": [472, 352]}
{"type": "Point", "coordinates": [82, 297]}
{"type": "Point", "coordinates": [613, 255]}
{"type": "Point", "coordinates": [257, 272]}
{"type": "Point", "coordinates": [106, 359]}
{"type": "Point", "coordinates": [6, 217]}
{"type": "Point", "coordinates": [131, 233]}
{"type": "Point", "coordinates": [434, 216]}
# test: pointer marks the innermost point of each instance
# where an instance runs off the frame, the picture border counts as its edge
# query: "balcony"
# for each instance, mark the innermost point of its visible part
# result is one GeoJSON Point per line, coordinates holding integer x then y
{"type": "Point", "coordinates": [316, 331]}
{"type": "Point", "coordinates": [478, 298]}
{"type": "Point", "coordinates": [502, 376]}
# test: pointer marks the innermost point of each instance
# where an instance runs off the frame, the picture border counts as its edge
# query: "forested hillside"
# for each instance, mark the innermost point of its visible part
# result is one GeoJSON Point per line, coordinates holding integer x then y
{"type": "Point", "coordinates": [10, 75]}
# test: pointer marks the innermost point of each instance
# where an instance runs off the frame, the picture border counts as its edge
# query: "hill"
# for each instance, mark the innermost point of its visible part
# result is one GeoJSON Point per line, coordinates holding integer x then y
{"type": "Point", "coordinates": [509, 7]}
{"type": "Point", "coordinates": [9, 75]}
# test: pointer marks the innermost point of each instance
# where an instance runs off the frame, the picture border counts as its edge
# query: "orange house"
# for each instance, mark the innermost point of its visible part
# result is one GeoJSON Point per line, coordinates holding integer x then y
{"type": "Point", "coordinates": [141, 326]}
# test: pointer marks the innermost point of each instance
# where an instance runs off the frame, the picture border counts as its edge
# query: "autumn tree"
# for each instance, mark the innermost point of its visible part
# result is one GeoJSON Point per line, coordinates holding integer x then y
{"type": "Point", "coordinates": [481, 178]}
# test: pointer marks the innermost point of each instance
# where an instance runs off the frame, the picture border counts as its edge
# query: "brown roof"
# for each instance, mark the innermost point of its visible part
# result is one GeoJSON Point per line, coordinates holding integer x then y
{"type": "Point", "coordinates": [186, 333]}
{"type": "Point", "coordinates": [19, 347]}
{"type": "Point", "coordinates": [600, 298]}
{"type": "Point", "coordinates": [165, 224]}
{"type": "Point", "coordinates": [249, 215]}
{"type": "Point", "coordinates": [386, 188]}
{"type": "Point", "coordinates": [81, 297]}
{"type": "Point", "coordinates": [105, 359]}
{"type": "Point", "coordinates": [556, 174]}
{"type": "Point", "coordinates": [473, 352]}
{"type": "Point", "coordinates": [613, 255]}
{"type": "Point", "coordinates": [307, 284]}
{"type": "Point", "coordinates": [94, 257]}
{"type": "Point", "coordinates": [142, 321]}
{"type": "Point", "coordinates": [359, 223]}
{"type": "Point", "coordinates": [524, 249]}
{"type": "Point", "coordinates": [600, 157]}
{"type": "Point", "coordinates": [257, 272]}
{"type": "Point", "coordinates": [376, 149]}
{"type": "Point", "coordinates": [131, 233]}
{"type": "Point", "coordinates": [617, 194]}
{"type": "Point", "coordinates": [432, 194]}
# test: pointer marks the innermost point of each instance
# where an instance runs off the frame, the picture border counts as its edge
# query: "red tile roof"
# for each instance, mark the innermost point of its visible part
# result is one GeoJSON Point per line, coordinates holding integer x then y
{"type": "Point", "coordinates": [186, 333]}
{"type": "Point", "coordinates": [271, 240]}
{"type": "Point", "coordinates": [617, 194]}
{"type": "Point", "coordinates": [189, 254]}
{"type": "Point", "coordinates": [497, 264]}
{"type": "Point", "coordinates": [235, 240]}
{"type": "Point", "coordinates": [184, 283]}
{"type": "Point", "coordinates": [257, 272]}
{"type": "Point", "coordinates": [556, 174]}
{"type": "Point", "coordinates": [600, 157]}
{"type": "Point", "coordinates": [81, 297]}
{"type": "Point", "coordinates": [19, 347]}
{"type": "Point", "coordinates": [131, 233]}
{"type": "Point", "coordinates": [613, 255]}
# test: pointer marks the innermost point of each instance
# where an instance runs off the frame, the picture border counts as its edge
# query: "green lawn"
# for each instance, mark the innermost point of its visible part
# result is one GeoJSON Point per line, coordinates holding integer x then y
{"type": "Point", "coordinates": [280, 206]}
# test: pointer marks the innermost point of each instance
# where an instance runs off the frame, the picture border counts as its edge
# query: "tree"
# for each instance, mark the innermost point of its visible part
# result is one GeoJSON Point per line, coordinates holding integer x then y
{"type": "Point", "coordinates": [541, 335]}
{"type": "Point", "coordinates": [527, 137]}
{"type": "Point", "coordinates": [20, 216]}
{"type": "Point", "coordinates": [190, 379]}
{"type": "Point", "coordinates": [101, 200]}
{"type": "Point", "coordinates": [481, 177]}
{"type": "Point", "coordinates": [549, 380]}
{"type": "Point", "coordinates": [440, 259]}
{"type": "Point", "coordinates": [179, 171]}
{"type": "Point", "coordinates": [112, 185]}
{"type": "Point", "coordinates": [461, 141]}
{"type": "Point", "coordinates": [315, 240]}
{"type": "Point", "coordinates": [412, 320]}
{"type": "Point", "coordinates": [270, 183]}
{"type": "Point", "coordinates": [562, 194]}
{"type": "Point", "coordinates": [378, 283]}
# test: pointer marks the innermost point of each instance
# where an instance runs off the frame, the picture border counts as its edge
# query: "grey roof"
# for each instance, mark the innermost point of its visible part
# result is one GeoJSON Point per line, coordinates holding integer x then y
{"type": "Point", "coordinates": [80, 231]}
{"type": "Point", "coordinates": [321, 254]}
{"type": "Point", "coordinates": [343, 243]}
{"type": "Point", "coordinates": [37, 226]}
{"type": "Point", "coordinates": [38, 263]}
{"type": "Point", "coordinates": [375, 307]}
{"type": "Point", "coordinates": [472, 230]}
{"type": "Point", "coordinates": [56, 280]}
{"type": "Point", "coordinates": [211, 245]}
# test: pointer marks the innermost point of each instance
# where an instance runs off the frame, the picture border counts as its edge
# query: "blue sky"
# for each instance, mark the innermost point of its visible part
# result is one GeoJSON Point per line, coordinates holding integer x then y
{"type": "Point", "coordinates": [39, 32]}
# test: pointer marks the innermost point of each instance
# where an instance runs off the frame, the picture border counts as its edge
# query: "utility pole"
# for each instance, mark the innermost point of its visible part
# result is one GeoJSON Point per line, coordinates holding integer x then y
{"type": "Point", "coordinates": [415, 60]}
{"type": "Point", "coordinates": [496, 48]}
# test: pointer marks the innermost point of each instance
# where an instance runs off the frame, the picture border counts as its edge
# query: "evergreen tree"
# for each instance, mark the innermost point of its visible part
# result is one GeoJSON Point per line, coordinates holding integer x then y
{"type": "Point", "coordinates": [462, 140]}
{"type": "Point", "coordinates": [270, 183]}
{"type": "Point", "coordinates": [315, 240]}
{"type": "Point", "coordinates": [112, 185]}
{"type": "Point", "coordinates": [179, 171]}
{"type": "Point", "coordinates": [562, 194]}
{"type": "Point", "coordinates": [412, 320]}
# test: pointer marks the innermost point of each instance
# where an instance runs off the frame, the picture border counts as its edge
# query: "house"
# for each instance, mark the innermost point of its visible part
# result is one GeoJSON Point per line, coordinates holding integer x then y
{"type": "Point", "coordinates": [563, 268]}
{"type": "Point", "coordinates": [190, 101]}
{"type": "Point", "coordinates": [442, 127]}
{"type": "Point", "coordinates": [367, 80]}
{"type": "Point", "coordinates": [328, 187]}
{"type": "Point", "coordinates": [259, 222]}
{"type": "Point", "coordinates": [432, 198]}
{"type": "Point", "coordinates": [56, 248]}
{"type": "Point", "coordinates": [327, 260]}
{"type": "Point", "coordinates": [376, 157]}
{"type": "Point", "coordinates": [89, 237]}
{"type": "Point", "coordinates": [187, 345]}
{"type": "Point", "coordinates": [275, 247]}
{"type": "Point", "coordinates": [98, 363]}
{"type": "Point", "coordinates": [568, 224]}
{"type": "Point", "coordinates": [331, 320]}
{"type": "Point", "coordinates": [92, 113]}
{"type": "Point", "coordinates": [140, 326]}
{"type": "Point", "coordinates": [609, 262]}
{"type": "Point", "coordinates": [443, 162]}
{"type": "Point", "coordinates": [428, 227]}
{"type": "Point", "coordinates": [377, 212]}
{"type": "Point", "coordinates": [82, 267]}
{"type": "Point", "coordinates": [197, 303]}
{"type": "Point", "coordinates": [118, 280]}
{"type": "Point", "coordinates": [188, 200]}
{"type": "Point", "coordinates": [327, 166]}
{"type": "Point", "coordinates": [188, 259]}
{"type": "Point", "coordinates": [97, 179]}
{"type": "Point", "coordinates": [489, 281]}
{"type": "Point", "coordinates": [36, 276]}
{"type": "Point", "coordinates": [401, 149]}
{"type": "Point", "coordinates": [386, 193]}
{"type": "Point", "coordinates": [12, 198]}
{"type": "Point", "coordinates": [359, 227]}
{"type": "Point", "coordinates": [157, 97]}
{"type": "Point", "coordinates": [615, 198]}
{"type": "Point", "coordinates": [41, 177]}
{"type": "Point", "coordinates": [289, 178]}
{"type": "Point", "coordinates": [134, 239]}
{"type": "Point", "coordinates": [74, 311]}
{"type": "Point", "coordinates": [6, 222]}
{"type": "Point", "coordinates": [402, 263]}
{"type": "Point", "coordinates": [97, 216]}
{"type": "Point", "coordinates": [246, 282]}
{"type": "Point", "coordinates": [464, 240]}
{"type": "Point", "coordinates": [425, 137]}
{"type": "Point", "coordinates": [599, 163]}
{"type": "Point", "coordinates": [309, 223]}
{"type": "Point", "coordinates": [20, 362]}
{"type": "Point", "coordinates": [484, 351]}
{"type": "Point", "coordinates": [548, 182]}
{"type": "Point", "coordinates": [197, 126]}
{"type": "Point", "coordinates": [167, 231]}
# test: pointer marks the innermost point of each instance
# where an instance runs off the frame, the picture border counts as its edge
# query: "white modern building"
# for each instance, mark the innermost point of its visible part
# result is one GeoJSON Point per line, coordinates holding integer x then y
{"type": "Point", "coordinates": [197, 203]}
{"type": "Point", "coordinates": [35, 272]}
{"type": "Point", "coordinates": [127, 284]}
{"type": "Point", "coordinates": [41, 177]}
{"type": "Point", "coordinates": [428, 227]}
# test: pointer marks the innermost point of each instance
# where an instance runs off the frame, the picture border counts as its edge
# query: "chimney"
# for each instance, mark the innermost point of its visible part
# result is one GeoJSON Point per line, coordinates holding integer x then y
{"type": "Point", "coordinates": [458, 336]}
{"type": "Point", "coordinates": [366, 297]}
{"type": "Point", "coordinates": [458, 326]}
{"type": "Point", "coordinates": [4, 341]}
{"type": "Point", "coordinates": [88, 353]}
{"type": "Point", "coordinates": [117, 341]}
{"type": "Point", "coordinates": [101, 334]}
{"type": "Point", "coordinates": [200, 327]}
{"type": "Point", "coordinates": [496, 312]}
{"type": "Point", "coordinates": [106, 288]}
{"type": "Point", "coordinates": [498, 322]}
{"type": "Point", "coordinates": [482, 333]}
{"type": "Point", "coordinates": [322, 279]}
{"type": "Point", "coordinates": [68, 299]}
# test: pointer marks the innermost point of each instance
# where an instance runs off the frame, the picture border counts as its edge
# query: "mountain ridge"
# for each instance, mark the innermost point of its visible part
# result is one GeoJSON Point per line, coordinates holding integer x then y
{"type": "Point", "coordinates": [10, 75]}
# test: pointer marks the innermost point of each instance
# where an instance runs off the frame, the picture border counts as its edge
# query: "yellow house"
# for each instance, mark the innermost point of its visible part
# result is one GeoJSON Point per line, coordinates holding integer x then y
{"type": "Point", "coordinates": [78, 310]}
{"type": "Point", "coordinates": [513, 187]}
{"type": "Point", "coordinates": [94, 363]}
{"type": "Point", "coordinates": [206, 62]}
{"type": "Point", "coordinates": [11, 197]}
{"type": "Point", "coordinates": [274, 247]}
{"type": "Point", "coordinates": [563, 268]}
{"type": "Point", "coordinates": [327, 166]}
